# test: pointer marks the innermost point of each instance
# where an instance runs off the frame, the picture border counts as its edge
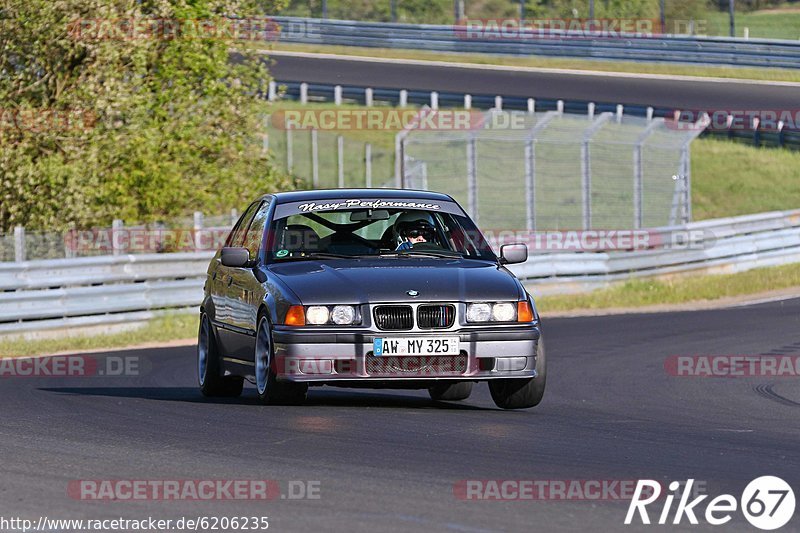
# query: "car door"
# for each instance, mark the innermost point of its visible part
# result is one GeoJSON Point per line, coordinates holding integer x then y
{"type": "Point", "coordinates": [246, 292]}
{"type": "Point", "coordinates": [224, 303]}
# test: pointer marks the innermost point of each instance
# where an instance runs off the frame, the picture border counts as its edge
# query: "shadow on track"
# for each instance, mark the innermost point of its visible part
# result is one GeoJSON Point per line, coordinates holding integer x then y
{"type": "Point", "coordinates": [316, 397]}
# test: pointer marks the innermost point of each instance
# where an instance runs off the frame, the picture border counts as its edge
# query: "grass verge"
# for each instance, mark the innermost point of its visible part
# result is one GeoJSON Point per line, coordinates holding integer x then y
{"type": "Point", "coordinates": [729, 179]}
{"type": "Point", "coordinates": [667, 69]}
{"type": "Point", "coordinates": [649, 292]}
{"type": "Point", "coordinates": [166, 328]}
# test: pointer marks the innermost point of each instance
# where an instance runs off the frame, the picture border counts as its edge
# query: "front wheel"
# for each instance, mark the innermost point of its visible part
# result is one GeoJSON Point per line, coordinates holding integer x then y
{"type": "Point", "coordinates": [269, 389]}
{"type": "Point", "coordinates": [209, 373]}
{"type": "Point", "coordinates": [522, 393]}
{"type": "Point", "coordinates": [450, 392]}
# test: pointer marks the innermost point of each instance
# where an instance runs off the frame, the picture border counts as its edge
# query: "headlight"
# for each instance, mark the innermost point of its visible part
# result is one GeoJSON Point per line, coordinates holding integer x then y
{"type": "Point", "coordinates": [343, 315]}
{"type": "Point", "coordinates": [479, 312]}
{"type": "Point", "coordinates": [505, 312]}
{"type": "Point", "coordinates": [317, 315]}
{"type": "Point", "coordinates": [492, 312]}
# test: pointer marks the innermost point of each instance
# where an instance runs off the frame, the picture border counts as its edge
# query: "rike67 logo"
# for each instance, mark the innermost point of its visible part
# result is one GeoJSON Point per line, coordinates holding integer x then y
{"type": "Point", "coordinates": [767, 502]}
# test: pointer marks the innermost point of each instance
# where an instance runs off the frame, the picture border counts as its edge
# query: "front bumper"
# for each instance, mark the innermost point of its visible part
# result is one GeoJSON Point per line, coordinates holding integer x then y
{"type": "Point", "coordinates": [330, 355]}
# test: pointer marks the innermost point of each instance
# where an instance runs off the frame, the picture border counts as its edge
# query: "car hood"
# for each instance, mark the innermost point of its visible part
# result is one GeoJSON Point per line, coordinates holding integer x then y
{"type": "Point", "coordinates": [388, 280]}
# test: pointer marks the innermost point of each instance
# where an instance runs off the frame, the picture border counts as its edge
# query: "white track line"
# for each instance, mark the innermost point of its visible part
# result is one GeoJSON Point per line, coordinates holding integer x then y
{"type": "Point", "coordinates": [476, 66]}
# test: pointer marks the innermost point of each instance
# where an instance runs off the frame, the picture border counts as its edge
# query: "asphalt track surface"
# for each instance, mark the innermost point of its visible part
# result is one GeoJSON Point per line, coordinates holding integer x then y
{"type": "Point", "coordinates": [388, 460]}
{"type": "Point", "coordinates": [678, 94]}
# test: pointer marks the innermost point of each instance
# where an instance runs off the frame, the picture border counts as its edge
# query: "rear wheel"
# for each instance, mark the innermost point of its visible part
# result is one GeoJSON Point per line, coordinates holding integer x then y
{"type": "Point", "coordinates": [522, 393]}
{"type": "Point", "coordinates": [450, 392]}
{"type": "Point", "coordinates": [269, 389]}
{"type": "Point", "coordinates": [209, 370]}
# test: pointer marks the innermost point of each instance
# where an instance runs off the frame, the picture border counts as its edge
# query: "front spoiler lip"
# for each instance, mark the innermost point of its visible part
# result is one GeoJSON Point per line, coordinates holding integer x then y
{"type": "Point", "coordinates": [292, 346]}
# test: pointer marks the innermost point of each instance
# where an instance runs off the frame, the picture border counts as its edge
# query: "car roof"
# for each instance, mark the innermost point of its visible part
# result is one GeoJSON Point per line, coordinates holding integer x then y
{"type": "Point", "coordinates": [377, 194]}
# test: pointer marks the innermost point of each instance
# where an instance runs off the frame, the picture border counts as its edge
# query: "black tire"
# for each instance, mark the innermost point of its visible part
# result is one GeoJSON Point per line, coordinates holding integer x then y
{"type": "Point", "coordinates": [522, 393]}
{"type": "Point", "coordinates": [269, 389]}
{"type": "Point", "coordinates": [209, 371]}
{"type": "Point", "coordinates": [450, 392]}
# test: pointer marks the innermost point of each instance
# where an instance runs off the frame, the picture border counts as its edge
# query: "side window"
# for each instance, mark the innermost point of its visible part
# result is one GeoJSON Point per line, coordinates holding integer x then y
{"type": "Point", "coordinates": [236, 238]}
{"type": "Point", "coordinates": [254, 234]}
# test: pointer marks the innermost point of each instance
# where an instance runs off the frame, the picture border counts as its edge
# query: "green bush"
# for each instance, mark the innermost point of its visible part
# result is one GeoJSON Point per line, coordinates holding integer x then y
{"type": "Point", "coordinates": [162, 126]}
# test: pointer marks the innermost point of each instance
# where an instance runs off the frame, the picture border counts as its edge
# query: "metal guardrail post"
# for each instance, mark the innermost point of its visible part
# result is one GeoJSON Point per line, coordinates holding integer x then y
{"type": "Point", "coordinates": [272, 91]}
{"type": "Point", "coordinates": [403, 98]}
{"type": "Point", "coordinates": [368, 97]}
{"type": "Point", "coordinates": [434, 100]}
{"type": "Point", "coordinates": [586, 168]}
{"type": "Point", "coordinates": [303, 93]}
{"type": "Point", "coordinates": [19, 244]}
{"type": "Point", "coordinates": [467, 101]}
{"type": "Point", "coordinates": [315, 158]}
{"type": "Point", "coordinates": [337, 95]}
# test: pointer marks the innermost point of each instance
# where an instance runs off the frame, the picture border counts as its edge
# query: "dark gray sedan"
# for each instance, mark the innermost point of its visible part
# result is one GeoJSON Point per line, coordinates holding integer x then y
{"type": "Point", "coordinates": [367, 288]}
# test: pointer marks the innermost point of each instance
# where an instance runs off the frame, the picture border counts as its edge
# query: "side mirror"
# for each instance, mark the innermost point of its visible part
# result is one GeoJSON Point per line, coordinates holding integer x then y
{"type": "Point", "coordinates": [235, 257]}
{"type": "Point", "coordinates": [511, 254]}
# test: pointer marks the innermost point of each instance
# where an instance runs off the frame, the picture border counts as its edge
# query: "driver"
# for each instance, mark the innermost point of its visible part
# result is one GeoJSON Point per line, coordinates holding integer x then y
{"type": "Point", "coordinates": [413, 228]}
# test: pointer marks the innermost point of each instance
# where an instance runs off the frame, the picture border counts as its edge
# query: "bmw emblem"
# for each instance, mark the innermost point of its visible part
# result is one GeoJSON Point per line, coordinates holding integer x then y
{"type": "Point", "coordinates": [412, 293]}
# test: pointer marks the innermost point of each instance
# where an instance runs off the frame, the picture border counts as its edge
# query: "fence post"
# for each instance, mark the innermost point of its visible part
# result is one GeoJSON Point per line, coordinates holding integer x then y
{"type": "Point", "coordinates": [472, 179]}
{"type": "Point", "coordinates": [560, 106]}
{"type": "Point", "coordinates": [116, 229]}
{"type": "Point", "coordinates": [638, 172]}
{"type": "Point", "coordinates": [586, 168]}
{"type": "Point", "coordinates": [687, 184]}
{"type": "Point", "coordinates": [337, 95]}
{"type": "Point", "coordinates": [403, 98]}
{"type": "Point", "coordinates": [467, 101]}
{"type": "Point", "coordinates": [498, 103]}
{"type": "Point", "coordinates": [340, 154]}
{"type": "Point", "coordinates": [289, 151]}
{"type": "Point", "coordinates": [434, 100]}
{"type": "Point", "coordinates": [272, 91]}
{"type": "Point", "coordinates": [531, 106]}
{"type": "Point", "coordinates": [303, 93]}
{"type": "Point", "coordinates": [530, 169]}
{"type": "Point", "coordinates": [314, 158]}
{"type": "Point", "coordinates": [198, 229]}
{"type": "Point", "coordinates": [368, 165]}
{"type": "Point", "coordinates": [530, 185]}
{"type": "Point", "coordinates": [19, 244]}
{"type": "Point", "coordinates": [399, 159]}
{"type": "Point", "coordinates": [590, 110]}
{"type": "Point", "coordinates": [368, 97]}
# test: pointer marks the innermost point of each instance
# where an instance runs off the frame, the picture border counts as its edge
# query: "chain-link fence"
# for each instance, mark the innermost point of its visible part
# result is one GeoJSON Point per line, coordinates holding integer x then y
{"type": "Point", "coordinates": [555, 171]}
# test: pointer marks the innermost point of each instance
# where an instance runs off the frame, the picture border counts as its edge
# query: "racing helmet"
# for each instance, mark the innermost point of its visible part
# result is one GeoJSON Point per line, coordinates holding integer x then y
{"type": "Point", "coordinates": [413, 224]}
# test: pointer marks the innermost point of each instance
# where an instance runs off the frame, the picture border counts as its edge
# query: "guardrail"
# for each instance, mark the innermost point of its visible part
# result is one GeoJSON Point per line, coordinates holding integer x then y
{"type": "Point", "coordinates": [444, 38]}
{"type": "Point", "coordinates": [60, 294]}
{"type": "Point", "coordinates": [783, 137]}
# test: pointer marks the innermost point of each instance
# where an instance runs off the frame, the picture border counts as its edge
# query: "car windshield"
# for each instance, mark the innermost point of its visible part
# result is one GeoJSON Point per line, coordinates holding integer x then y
{"type": "Point", "coordinates": [375, 232]}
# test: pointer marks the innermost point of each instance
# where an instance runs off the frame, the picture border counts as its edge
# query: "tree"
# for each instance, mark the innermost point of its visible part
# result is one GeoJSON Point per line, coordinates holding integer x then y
{"type": "Point", "coordinates": [129, 109]}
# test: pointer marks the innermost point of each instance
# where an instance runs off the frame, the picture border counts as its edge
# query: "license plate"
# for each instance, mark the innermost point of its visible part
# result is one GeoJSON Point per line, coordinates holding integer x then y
{"type": "Point", "coordinates": [415, 346]}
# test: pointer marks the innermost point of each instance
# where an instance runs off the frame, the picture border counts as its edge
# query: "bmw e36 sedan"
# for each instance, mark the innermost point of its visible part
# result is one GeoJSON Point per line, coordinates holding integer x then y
{"type": "Point", "coordinates": [367, 288]}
